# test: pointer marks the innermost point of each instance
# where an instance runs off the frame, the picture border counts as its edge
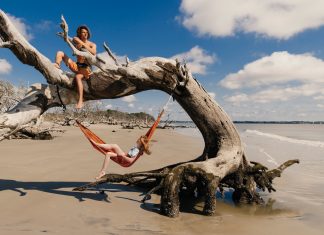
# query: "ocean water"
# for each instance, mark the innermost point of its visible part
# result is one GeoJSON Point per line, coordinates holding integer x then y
{"type": "Point", "coordinates": [301, 187]}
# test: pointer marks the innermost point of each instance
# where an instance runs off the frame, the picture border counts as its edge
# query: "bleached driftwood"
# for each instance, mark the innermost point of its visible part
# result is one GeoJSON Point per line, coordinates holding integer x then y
{"type": "Point", "coordinates": [222, 162]}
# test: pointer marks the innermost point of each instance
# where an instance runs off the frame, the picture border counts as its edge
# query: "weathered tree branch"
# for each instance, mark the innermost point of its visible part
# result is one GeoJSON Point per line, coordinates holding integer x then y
{"type": "Point", "coordinates": [110, 54]}
{"type": "Point", "coordinates": [222, 162]}
{"type": "Point", "coordinates": [27, 54]}
{"type": "Point", "coordinates": [38, 99]}
{"type": "Point", "coordinates": [9, 133]}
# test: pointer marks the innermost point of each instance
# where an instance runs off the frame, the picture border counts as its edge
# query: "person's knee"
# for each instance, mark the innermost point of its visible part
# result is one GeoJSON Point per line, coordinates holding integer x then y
{"type": "Point", "coordinates": [113, 146]}
{"type": "Point", "coordinates": [109, 155]}
{"type": "Point", "coordinates": [60, 53]}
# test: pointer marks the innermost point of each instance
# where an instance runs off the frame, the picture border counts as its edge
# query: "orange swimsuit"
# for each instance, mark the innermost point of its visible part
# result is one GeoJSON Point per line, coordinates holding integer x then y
{"type": "Point", "coordinates": [80, 67]}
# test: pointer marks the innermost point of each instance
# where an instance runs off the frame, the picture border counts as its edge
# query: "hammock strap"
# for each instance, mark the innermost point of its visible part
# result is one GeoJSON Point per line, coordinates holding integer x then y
{"type": "Point", "coordinates": [150, 132]}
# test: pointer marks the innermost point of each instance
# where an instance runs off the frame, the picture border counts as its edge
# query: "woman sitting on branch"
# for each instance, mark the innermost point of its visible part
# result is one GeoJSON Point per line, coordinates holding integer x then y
{"type": "Point", "coordinates": [81, 68]}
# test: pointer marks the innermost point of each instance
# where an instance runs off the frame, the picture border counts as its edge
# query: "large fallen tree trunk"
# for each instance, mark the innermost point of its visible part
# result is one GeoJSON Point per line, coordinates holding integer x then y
{"type": "Point", "coordinates": [222, 162]}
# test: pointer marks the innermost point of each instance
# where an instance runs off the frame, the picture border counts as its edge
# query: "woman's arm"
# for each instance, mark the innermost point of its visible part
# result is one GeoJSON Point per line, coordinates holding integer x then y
{"type": "Point", "coordinates": [90, 46]}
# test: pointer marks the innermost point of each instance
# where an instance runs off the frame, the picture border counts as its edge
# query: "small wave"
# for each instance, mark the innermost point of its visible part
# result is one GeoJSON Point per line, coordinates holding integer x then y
{"type": "Point", "coordinates": [287, 139]}
{"type": "Point", "coordinates": [270, 158]}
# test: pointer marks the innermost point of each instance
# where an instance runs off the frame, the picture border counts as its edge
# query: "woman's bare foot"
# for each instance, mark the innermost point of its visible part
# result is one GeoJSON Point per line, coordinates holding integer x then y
{"type": "Point", "coordinates": [101, 174]}
{"type": "Point", "coordinates": [79, 105]}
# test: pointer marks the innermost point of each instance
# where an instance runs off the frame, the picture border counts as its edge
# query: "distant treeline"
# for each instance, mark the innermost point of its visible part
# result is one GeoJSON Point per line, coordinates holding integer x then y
{"type": "Point", "coordinates": [100, 116]}
{"type": "Point", "coordinates": [129, 116]}
{"type": "Point", "coordinates": [280, 122]}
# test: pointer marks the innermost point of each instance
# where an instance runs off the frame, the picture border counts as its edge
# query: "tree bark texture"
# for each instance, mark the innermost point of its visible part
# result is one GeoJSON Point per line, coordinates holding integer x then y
{"type": "Point", "coordinates": [222, 162]}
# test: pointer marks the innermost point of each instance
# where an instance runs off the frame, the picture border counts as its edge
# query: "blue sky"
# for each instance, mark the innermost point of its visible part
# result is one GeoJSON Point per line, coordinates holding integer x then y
{"type": "Point", "coordinates": [261, 60]}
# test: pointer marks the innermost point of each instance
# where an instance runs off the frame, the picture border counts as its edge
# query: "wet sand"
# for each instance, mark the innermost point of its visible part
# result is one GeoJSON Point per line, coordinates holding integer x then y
{"type": "Point", "coordinates": [37, 178]}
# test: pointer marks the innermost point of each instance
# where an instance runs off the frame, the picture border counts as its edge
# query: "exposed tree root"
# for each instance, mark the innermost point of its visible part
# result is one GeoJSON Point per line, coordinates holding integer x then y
{"type": "Point", "coordinates": [196, 183]}
{"type": "Point", "coordinates": [245, 182]}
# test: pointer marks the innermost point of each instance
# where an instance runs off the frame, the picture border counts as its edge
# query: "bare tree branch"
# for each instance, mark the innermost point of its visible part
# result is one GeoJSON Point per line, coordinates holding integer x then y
{"type": "Point", "coordinates": [222, 162]}
{"type": "Point", "coordinates": [110, 53]}
{"type": "Point", "coordinates": [27, 54]}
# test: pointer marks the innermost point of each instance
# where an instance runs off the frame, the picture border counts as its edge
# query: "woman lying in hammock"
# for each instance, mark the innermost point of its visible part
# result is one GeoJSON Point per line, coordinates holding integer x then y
{"type": "Point", "coordinates": [115, 152]}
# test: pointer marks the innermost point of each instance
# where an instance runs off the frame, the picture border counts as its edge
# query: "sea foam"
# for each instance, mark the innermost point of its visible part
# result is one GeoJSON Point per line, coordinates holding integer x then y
{"type": "Point", "coordinates": [287, 139]}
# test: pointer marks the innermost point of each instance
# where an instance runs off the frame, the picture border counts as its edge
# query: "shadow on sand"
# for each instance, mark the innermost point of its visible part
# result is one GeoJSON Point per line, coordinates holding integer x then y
{"type": "Point", "coordinates": [64, 188]}
{"type": "Point", "coordinates": [99, 194]}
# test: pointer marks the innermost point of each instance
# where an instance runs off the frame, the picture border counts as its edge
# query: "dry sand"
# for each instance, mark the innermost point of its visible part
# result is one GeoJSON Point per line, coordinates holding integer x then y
{"type": "Point", "coordinates": [37, 178]}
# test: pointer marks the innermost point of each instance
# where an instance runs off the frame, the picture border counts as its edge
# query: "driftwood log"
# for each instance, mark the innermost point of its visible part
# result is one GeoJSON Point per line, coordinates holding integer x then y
{"type": "Point", "coordinates": [222, 162]}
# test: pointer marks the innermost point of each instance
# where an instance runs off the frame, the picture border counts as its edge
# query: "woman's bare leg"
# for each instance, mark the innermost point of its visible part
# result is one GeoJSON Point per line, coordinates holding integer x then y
{"type": "Point", "coordinates": [117, 149]}
{"type": "Point", "coordinates": [78, 78]}
{"type": "Point", "coordinates": [60, 55]}
{"type": "Point", "coordinates": [113, 148]}
{"type": "Point", "coordinates": [105, 164]}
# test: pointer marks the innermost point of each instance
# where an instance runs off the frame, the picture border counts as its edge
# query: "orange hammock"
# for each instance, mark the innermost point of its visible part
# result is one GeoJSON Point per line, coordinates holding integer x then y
{"type": "Point", "coordinates": [93, 138]}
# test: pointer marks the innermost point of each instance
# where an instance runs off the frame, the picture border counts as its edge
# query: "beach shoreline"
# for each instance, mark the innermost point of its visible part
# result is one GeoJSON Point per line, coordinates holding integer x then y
{"type": "Point", "coordinates": [37, 178]}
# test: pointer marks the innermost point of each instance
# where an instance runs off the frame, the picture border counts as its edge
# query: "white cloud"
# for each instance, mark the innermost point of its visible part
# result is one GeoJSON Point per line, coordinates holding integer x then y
{"type": "Point", "coordinates": [21, 26]}
{"type": "Point", "coordinates": [197, 59]}
{"type": "Point", "coordinates": [129, 99]}
{"type": "Point", "coordinates": [237, 99]}
{"type": "Point", "coordinates": [289, 84]}
{"type": "Point", "coordinates": [320, 97]}
{"type": "Point", "coordinates": [280, 76]}
{"type": "Point", "coordinates": [320, 106]}
{"type": "Point", "coordinates": [212, 94]}
{"type": "Point", "coordinates": [150, 110]}
{"type": "Point", "coordinates": [302, 114]}
{"type": "Point", "coordinates": [104, 55]}
{"type": "Point", "coordinates": [44, 25]}
{"type": "Point", "coordinates": [278, 68]}
{"type": "Point", "coordinates": [131, 105]}
{"type": "Point", "coordinates": [5, 66]}
{"type": "Point", "coordinates": [272, 18]}
{"type": "Point", "coordinates": [277, 94]}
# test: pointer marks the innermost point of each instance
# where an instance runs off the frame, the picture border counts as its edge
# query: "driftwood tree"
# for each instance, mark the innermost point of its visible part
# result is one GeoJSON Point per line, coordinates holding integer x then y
{"type": "Point", "coordinates": [222, 162]}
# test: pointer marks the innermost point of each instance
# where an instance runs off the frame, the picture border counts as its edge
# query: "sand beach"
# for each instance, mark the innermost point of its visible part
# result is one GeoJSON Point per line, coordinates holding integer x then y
{"type": "Point", "coordinates": [37, 178]}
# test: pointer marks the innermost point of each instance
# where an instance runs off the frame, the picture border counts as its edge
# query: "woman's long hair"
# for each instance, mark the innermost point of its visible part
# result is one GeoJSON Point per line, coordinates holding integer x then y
{"type": "Point", "coordinates": [145, 144]}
